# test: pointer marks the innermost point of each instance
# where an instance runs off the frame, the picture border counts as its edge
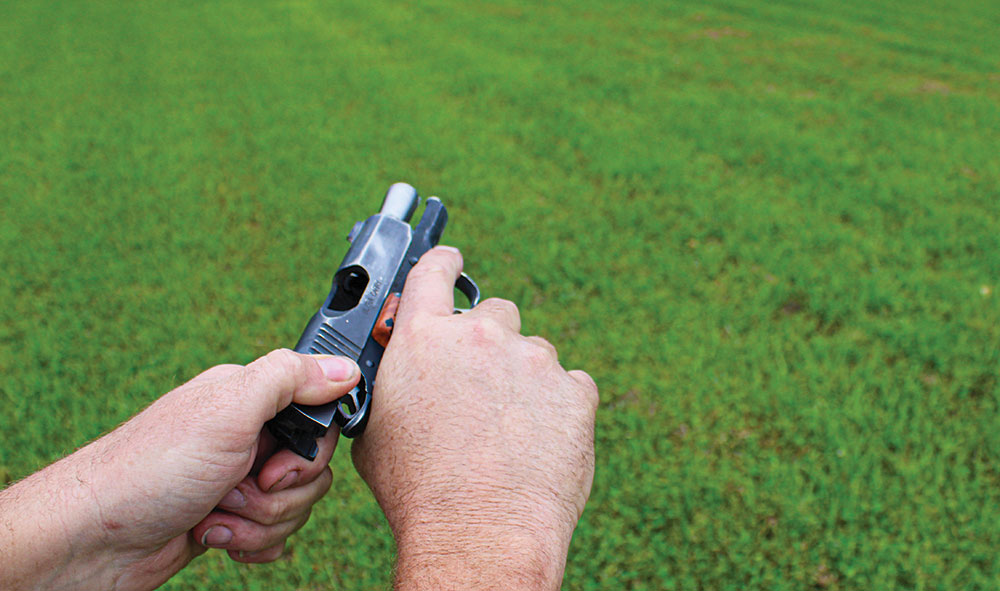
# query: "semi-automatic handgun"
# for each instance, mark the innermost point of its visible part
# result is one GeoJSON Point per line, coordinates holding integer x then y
{"type": "Point", "coordinates": [356, 319]}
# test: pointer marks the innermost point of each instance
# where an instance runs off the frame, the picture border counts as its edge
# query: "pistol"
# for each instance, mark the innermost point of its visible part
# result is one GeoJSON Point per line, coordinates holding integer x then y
{"type": "Point", "coordinates": [356, 319]}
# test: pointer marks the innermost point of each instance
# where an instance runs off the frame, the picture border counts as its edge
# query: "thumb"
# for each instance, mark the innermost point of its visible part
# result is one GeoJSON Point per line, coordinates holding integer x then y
{"type": "Point", "coordinates": [281, 377]}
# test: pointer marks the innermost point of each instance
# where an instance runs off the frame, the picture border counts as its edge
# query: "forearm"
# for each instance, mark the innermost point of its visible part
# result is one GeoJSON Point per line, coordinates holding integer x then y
{"type": "Point", "coordinates": [52, 532]}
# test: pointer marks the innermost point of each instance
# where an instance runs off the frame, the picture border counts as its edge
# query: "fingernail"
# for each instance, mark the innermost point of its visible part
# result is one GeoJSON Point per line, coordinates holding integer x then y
{"type": "Point", "coordinates": [447, 248]}
{"type": "Point", "coordinates": [217, 535]}
{"type": "Point", "coordinates": [337, 369]}
{"type": "Point", "coordinates": [286, 481]}
{"type": "Point", "coordinates": [234, 499]}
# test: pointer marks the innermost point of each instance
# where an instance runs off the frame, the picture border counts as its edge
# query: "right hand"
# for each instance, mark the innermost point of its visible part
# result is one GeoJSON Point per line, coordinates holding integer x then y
{"type": "Point", "coordinates": [480, 446]}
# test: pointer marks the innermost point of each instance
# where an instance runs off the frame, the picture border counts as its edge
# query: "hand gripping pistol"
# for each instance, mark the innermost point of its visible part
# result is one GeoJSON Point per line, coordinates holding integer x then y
{"type": "Point", "coordinates": [356, 319]}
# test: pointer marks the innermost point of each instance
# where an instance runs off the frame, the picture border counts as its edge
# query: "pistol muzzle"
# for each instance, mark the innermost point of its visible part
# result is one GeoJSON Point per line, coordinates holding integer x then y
{"type": "Point", "coordinates": [400, 202]}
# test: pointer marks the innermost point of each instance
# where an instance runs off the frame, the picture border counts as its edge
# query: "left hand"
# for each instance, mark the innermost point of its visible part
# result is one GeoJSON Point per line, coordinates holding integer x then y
{"type": "Point", "coordinates": [196, 469]}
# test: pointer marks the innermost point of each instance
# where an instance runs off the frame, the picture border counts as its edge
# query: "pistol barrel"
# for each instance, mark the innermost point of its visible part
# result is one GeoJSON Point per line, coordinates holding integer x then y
{"type": "Point", "coordinates": [400, 202]}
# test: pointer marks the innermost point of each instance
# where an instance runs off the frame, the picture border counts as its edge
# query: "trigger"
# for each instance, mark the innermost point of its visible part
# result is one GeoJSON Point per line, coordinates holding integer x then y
{"type": "Point", "coordinates": [383, 326]}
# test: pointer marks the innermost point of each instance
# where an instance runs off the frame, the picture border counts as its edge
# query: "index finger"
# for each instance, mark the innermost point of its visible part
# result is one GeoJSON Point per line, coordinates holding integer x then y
{"type": "Point", "coordinates": [430, 285]}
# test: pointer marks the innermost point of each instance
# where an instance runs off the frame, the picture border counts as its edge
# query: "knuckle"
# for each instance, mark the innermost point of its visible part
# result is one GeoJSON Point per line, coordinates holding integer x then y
{"type": "Point", "coordinates": [427, 269]}
{"type": "Point", "coordinates": [501, 305]}
{"type": "Point", "coordinates": [271, 512]}
{"type": "Point", "coordinates": [301, 521]}
{"type": "Point", "coordinates": [594, 400]}
{"type": "Point", "coordinates": [325, 480]}
{"type": "Point", "coordinates": [283, 360]}
{"type": "Point", "coordinates": [585, 380]}
{"type": "Point", "coordinates": [274, 553]}
{"type": "Point", "coordinates": [444, 255]}
{"type": "Point", "coordinates": [253, 539]}
{"type": "Point", "coordinates": [501, 308]}
{"type": "Point", "coordinates": [487, 329]}
{"type": "Point", "coordinates": [276, 362]}
{"type": "Point", "coordinates": [544, 344]}
{"type": "Point", "coordinates": [540, 353]}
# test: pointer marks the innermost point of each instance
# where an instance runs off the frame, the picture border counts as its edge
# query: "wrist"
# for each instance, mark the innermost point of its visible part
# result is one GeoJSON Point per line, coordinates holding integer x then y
{"type": "Point", "coordinates": [477, 550]}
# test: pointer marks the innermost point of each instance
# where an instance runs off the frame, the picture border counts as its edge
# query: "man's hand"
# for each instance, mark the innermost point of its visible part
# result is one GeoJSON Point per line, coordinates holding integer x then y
{"type": "Point", "coordinates": [193, 470]}
{"type": "Point", "coordinates": [480, 447]}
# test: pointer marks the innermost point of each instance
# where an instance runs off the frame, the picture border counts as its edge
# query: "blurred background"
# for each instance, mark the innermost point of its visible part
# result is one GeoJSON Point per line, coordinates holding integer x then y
{"type": "Point", "coordinates": [770, 231]}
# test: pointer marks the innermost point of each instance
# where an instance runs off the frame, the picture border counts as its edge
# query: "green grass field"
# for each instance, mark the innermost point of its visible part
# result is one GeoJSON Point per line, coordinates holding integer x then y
{"type": "Point", "coordinates": [769, 230]}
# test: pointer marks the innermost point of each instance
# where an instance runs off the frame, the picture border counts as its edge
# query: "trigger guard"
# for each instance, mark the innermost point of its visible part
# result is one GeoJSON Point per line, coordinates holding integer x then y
{"type": "Point", "coordinates": [469, 289]}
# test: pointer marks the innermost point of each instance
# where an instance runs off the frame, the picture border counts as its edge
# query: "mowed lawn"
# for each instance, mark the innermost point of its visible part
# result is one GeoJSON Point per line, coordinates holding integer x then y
{"type": "Point", "coordinates": [769, 230]}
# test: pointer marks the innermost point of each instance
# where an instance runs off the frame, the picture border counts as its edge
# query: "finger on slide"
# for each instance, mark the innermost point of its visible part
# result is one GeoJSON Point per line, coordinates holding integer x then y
{"type": "Point", "coordinates": [430, 285]}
